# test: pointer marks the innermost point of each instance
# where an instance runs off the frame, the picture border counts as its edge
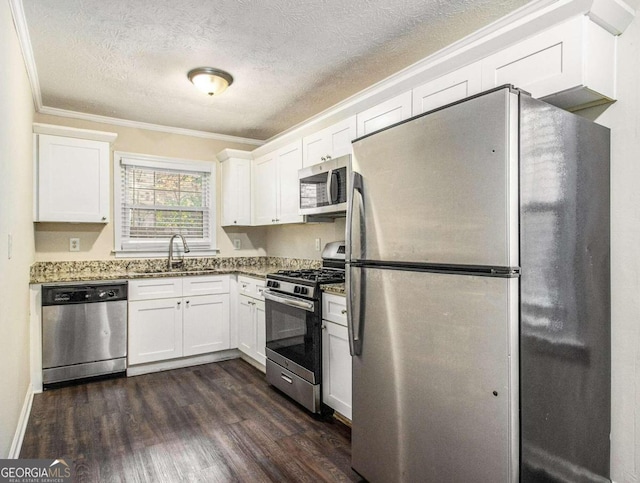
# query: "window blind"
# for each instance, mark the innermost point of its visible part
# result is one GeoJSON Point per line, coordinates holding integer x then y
{"type": "Point", "coordinates": [158, 202]}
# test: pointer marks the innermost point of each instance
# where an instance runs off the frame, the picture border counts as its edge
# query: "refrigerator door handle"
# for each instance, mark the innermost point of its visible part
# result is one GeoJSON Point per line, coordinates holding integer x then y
{"type": "Point", "coordinates": [356, 186]}
{"type": "Point", "coordinates": [354, 305]}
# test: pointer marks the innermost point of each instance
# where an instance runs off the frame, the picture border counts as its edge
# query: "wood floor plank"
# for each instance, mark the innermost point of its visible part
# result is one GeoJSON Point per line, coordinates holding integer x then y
{"type": "Point", "coordinates": [217, 422]}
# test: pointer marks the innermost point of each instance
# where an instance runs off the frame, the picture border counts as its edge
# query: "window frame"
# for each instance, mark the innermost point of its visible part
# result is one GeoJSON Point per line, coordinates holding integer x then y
{"type": "Point", "coordinates": [159, 248]}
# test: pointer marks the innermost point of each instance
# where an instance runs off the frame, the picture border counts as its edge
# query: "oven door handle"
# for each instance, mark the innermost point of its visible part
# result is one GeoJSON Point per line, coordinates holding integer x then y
{"type": "Point", "coordinates": [290, 301]}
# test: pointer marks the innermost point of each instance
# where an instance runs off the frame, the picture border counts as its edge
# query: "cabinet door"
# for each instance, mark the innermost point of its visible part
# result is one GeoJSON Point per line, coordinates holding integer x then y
{"type": "Point", "coordinates": [246, 326]}
{"type": "Point", "coordinates": [288, 200]}
{"type": "Point", "coordinates": [339, 137]}
{"type": "Point", "coordinates": [569, 65]}
{"type": "Point", "coordinates": [336, 368]}
{"type": "Point", "coordinates": [155, 330]}
{"type": "Point", "coordinates": [205, 324]}
{"type": "Point", "coordinates": [261, 332]}
{"type": "Point", "coordinates": [449, 88]}
{"type": "Point", "coordinates": [73, 180]}
{"type": "Point", "coordinates": [264, 190]}
{"type": "Point", "coordinates": [236, 192]}
{"type": "Point", "coordinates": [314, 148]}
{"type": "Point", "coordinates": [384, 114]}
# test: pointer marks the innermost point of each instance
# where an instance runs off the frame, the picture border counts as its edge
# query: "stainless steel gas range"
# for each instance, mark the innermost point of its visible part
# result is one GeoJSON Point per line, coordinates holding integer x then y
{"type": "Point", "coordinates": [293, 305]}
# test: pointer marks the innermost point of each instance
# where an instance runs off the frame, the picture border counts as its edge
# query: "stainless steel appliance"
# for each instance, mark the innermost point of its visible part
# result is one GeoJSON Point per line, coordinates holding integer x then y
{"type": "Point", "coordinates": [324, 187]}
{"type": "Point", "coordinates": [293, 307]}
{"type": "Point", "coordinates": [479, 295]}
{"type": "Point", "coordinates": [84, 330]}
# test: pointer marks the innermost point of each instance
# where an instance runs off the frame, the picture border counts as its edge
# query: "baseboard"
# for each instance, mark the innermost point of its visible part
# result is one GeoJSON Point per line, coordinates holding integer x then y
{"type": "Point", "coordinates": [168, 365]}
{"type": "Point", "coordinates": [16, 445]}
{"type": "Point", "coordinates": [253, 362]}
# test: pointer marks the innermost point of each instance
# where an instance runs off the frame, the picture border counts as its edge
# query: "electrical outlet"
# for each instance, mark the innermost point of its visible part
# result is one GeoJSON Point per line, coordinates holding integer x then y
{"type": "Point", "coordinates": [237, 244]}
{"type": "Point", "coordinates": [74, 244]}
{"type": "Point", "coordinates": [317, 244]}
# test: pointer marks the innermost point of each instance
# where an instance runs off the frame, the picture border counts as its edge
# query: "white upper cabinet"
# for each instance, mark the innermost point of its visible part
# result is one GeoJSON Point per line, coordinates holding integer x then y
{"type": "Point", "coordinates": [384, 114]}
{"type": "Point", "coordinates": [289, 162]}
{"type": "Point", "coordinates": [71, 177]}
{"type": "Point", "coordinates": [276, 195]}
{"type": "Point", "coordinates": [570, 65]}
{"type": "Point", "coordinates": [448, 88]}
{"type": "Point", "coordinates": [264, 184]}
{"type": "Point", "coordinates": [235, 169]}
{"type": "Point", "coordinates": [331, 142]}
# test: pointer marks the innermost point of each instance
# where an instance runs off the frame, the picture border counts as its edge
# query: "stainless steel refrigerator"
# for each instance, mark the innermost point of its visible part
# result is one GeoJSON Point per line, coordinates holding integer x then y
{"type": "Point", "coordinates": [479, 295]}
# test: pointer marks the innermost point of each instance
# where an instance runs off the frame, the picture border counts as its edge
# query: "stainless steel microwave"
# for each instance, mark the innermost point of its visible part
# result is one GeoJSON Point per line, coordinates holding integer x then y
{"type": "Point", "coordinates": [323, 187]}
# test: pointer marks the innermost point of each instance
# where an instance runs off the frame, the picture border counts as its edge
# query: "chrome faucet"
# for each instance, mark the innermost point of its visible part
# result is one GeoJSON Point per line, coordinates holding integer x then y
{"type": "Point", "coordinates": [171, 263]}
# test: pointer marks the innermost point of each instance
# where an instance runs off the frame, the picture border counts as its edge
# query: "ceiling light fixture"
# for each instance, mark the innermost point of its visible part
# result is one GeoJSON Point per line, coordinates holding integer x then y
{"type": "Point", "coordinates": [209, 80]}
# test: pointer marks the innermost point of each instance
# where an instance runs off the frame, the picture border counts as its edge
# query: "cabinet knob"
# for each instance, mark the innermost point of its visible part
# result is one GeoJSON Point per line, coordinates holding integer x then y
{"type": "Point", "coordinates": [324, 327]}
{"type": "Point", "coordinates": [328, 157]}
{"type": "Point", "coordinates": [273, 220]}
{"type": "Point", "coordinates": [178, 304]}
{"type": "Point", "coordinates": [323, 158]}
{"type": "Point", "coordinates": [343, 311]}
{"type": "Point", "coordinates": [235, 221]}
{"type": "Point", "coordinates": [104, 218]}
{"type": "Point", "coordinates": [187, 302]}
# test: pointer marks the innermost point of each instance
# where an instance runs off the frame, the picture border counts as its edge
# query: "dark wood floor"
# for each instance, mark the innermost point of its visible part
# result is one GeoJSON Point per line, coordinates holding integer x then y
{"type": "Point", "coordinates": [215, 422]}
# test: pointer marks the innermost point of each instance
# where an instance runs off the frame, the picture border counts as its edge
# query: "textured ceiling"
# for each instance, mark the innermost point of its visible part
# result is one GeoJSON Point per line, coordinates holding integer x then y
{"type": "Point", "coordinates": [290, 58]}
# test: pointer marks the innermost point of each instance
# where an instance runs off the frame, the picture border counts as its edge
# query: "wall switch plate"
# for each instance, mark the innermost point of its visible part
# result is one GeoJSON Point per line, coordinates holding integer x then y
{"type": "Point", "coordinates": [237, 244]}
{"type": "Point", "coordinates": [317, 244]}
{"type": "Point", "coordinates": [74, 244]}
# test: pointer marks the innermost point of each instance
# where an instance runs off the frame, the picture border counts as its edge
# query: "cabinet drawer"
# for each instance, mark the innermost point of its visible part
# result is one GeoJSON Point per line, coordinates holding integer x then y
{"type": "Point", "coordinates": [155, 288]}
{"type": "Point", "coordinates": [334, 308]}
{"type": "Point", "coordinates": [251, 287]}
{"type": "Point", "coordinates": [206, 285]}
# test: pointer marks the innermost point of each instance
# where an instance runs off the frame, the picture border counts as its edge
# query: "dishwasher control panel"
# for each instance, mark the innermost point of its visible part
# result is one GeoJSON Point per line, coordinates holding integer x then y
{"type": "Point", "coordinates": [82, 294]}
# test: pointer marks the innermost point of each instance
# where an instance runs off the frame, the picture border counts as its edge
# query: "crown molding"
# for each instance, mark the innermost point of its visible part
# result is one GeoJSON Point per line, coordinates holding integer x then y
{"type": "Point", "coordinates": [531, 19]}
{"type": "Point", "coordinates": [20, 22]}
{"type": "Point", "coordinates": [54, 111]}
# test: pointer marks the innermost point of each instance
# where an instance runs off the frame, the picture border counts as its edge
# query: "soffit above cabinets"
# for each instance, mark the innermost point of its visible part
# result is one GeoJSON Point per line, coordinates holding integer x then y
{"type": "Point", "coordinates": [289, 59]}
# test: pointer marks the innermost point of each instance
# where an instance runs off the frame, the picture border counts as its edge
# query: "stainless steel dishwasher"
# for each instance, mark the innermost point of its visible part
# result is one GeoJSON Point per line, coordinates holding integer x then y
{"type": "Point", "coordinates": [84, 331]}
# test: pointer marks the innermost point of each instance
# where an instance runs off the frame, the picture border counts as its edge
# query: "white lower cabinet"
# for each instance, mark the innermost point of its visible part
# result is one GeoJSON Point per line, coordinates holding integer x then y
{"type": "Point", "coordinates": [205, 324]}
{"type": "Point", "coordinates": [162, 327]}
{"type": "Point", "coordinates": [252, 337]}
{"type": "Point", "coordinates": [336, 358]}
{"type": "Point", "coordinates": [155, 330]}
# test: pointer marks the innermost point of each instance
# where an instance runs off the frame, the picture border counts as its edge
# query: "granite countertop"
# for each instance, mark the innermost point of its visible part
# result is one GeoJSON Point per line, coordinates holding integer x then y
{"type": "Point", "coordinates": [84, 271]}
{"type": "Point", "coordinates": [334, 288]}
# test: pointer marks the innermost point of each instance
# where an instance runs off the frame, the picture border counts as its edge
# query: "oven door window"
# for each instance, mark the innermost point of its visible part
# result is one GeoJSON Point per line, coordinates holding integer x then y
{"type": "Point", "coordinates": [293, 333]}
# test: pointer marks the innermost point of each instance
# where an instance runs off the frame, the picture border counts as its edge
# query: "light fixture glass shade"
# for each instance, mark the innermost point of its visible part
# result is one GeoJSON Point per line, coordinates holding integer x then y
{"type": "Point", "coordinates": [209, 80]}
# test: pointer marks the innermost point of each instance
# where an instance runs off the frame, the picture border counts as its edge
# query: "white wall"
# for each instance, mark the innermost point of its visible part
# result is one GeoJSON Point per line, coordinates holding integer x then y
{"type": "Point", "coordinates": [623, 117]}
{"type": "Point", "coordinates": [298, 241]}
{"type": "Point", "coordinates": [16, 106]}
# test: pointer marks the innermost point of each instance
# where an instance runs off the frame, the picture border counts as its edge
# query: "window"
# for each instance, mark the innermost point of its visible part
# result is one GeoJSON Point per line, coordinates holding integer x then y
{"type": "Point", "coordinates": [157, 197]}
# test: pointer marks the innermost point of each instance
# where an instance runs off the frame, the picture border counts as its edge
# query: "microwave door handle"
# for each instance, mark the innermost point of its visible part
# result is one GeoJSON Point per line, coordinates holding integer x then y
{"type": "Point", "coordinates": [329, 182]}
{"type": "Point", "coordinates": [334, 186]}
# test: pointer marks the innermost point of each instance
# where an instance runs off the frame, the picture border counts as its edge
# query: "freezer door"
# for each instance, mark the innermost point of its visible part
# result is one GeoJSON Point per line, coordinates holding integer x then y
{"type": "Point", "coordinates": [435, 387]}
{"type": "Point", "coordinates": [441, 188]}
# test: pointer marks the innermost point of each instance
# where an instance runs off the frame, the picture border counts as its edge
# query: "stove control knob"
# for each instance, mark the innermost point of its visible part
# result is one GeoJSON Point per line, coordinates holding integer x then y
{"type": "Point", "coordinates": [297, 289]}
{"type": "Point", "coordinates": [272, 283]}
{"type": "Point", "coordinates": [304, 290]}
{"type": "Point", "coordinates": [111, 293]}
